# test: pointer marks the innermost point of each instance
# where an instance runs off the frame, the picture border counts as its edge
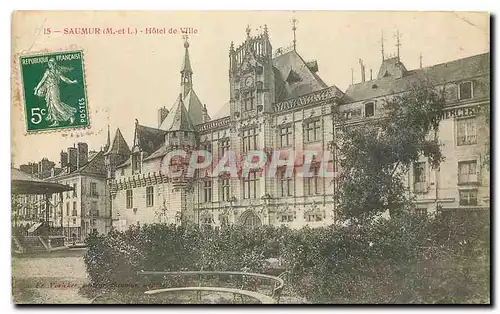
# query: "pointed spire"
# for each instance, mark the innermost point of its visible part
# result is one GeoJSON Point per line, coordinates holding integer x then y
{"type": "Point", "coordinates": [186, 71]}
{"type": "Point", "coordinates": [108, 141]}
{"type": "Point", "coordinates": [420, 58]}
{"type": "Point", "coordinates": [186, 63]}
{"type": "Point", "coordinates": [294, 28]}
{"type": "Point", "coordinates": [382, 44]}
{"type": "Point", "coordinates": [266, 32]}
{"type": "Point", "coordinates": [398, 42]}
{"type": "Point", "coordinates": [119, 145]}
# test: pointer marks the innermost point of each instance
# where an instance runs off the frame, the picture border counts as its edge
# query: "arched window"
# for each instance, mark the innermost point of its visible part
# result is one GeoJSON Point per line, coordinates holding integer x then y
{"type": "Point", "coordinates": [250, 219]}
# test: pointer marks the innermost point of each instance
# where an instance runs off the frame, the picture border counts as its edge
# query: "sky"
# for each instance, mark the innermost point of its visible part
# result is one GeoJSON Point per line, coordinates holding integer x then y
{"type": "Point", "coordinates": [130, 77]}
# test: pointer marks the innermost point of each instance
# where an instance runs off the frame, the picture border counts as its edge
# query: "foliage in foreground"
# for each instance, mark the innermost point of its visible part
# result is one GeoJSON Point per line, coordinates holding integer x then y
{"type": "Point", "coordinates": [403, 260]}
{"type": "Point", "coordinates": [375, 156]}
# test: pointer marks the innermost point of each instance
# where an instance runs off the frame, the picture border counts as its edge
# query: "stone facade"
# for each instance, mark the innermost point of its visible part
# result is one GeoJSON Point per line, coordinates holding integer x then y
{"type": "Point", "coordinates": [278, 102]}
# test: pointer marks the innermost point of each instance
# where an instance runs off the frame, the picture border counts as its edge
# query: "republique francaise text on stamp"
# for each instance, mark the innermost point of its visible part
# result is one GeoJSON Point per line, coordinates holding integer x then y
{"type": "Point", "coordinates": [54, 91]}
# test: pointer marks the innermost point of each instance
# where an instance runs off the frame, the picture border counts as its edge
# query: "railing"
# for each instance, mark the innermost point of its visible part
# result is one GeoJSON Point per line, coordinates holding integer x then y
{"type": "Point", "coordinates": [324, 94]}
{"type": "Point", "coordinates": [277, 288]}
{"type": "Point", "coordinates": [263, 299]}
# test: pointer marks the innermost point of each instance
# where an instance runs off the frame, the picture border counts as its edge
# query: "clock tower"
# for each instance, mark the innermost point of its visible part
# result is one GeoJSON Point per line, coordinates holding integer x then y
{"type": "Point", "coordinates": [251, 77]}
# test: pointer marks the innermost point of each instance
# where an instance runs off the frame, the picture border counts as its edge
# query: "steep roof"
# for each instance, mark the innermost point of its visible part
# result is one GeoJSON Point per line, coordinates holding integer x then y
{"type": "Point", "coordinates": [178, 118]}
{"type": "Point", "coordinates": [293, 76]}
{"type": "Point", "coordinates": [94, 166]}
{"type": "Point", "coordinates": [119, 145]}
{"type": "Point", "coordinates": [148, 139]}
{"type": "Point", "coordinates": [452, 71]}
{"type": "Point", "coordinates": [391, 67]}
{"type": "Point", "coordinates": [224, 111]}
{"type": "Point", "coordinates": [194, 107]}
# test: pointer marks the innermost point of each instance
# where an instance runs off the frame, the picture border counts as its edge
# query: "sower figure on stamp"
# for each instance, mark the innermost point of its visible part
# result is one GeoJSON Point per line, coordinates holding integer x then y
{"type": "Point", "coordinates": [49, 87]}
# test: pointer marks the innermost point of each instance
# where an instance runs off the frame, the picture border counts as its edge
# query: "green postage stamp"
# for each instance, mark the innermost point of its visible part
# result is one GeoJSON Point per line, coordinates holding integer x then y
{"type": "Point", "coordinates": [55, 95]}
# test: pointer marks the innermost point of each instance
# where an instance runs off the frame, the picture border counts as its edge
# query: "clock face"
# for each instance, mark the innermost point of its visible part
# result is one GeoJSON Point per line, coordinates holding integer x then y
{"type": "Point", "coordinates": [249, 81]}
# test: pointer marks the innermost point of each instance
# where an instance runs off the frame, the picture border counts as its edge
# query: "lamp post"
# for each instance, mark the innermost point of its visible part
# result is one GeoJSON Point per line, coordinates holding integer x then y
{"type": "Point", "coordinates": [232, 201]}
{"type": "Point", "coordinates": [267, 201]}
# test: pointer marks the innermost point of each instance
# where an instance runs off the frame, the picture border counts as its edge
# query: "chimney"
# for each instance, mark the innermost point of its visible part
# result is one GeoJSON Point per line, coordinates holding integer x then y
{"type": "Point", "coordinates": [44, 166]}
{"type": "Point", "coordinates": [162, 114]}
{"type": "Point", "coordinates": [64, 159]}
{"type": "Point", "coordinates": [72, 158]}
{"type": "Point", "coordinates": [363, 79]}
{"type": "Point", "coordinates": [206, 117]}
{"type": "Point", "coordinates": [83, 154]}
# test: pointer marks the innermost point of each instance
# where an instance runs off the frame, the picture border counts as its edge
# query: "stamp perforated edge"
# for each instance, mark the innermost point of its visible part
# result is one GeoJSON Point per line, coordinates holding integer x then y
{"type": "Point", "coordinates": [17, 79]}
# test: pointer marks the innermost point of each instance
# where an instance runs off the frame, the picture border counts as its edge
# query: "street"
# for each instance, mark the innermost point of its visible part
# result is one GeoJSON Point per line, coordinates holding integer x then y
{"type": "Point", "coordinates": [51, 278]}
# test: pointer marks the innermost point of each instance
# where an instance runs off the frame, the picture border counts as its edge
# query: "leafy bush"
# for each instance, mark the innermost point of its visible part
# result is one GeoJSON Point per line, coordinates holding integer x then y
{"type": "Point", "coordinates": [402, 260]}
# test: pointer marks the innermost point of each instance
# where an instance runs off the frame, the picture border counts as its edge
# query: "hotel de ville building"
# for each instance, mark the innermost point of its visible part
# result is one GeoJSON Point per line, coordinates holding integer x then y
{"type": "Point", "coordinates": [278, 101]}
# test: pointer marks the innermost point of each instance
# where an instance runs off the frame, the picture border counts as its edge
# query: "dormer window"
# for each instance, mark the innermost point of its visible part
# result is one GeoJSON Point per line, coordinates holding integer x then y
{"type": "Point", "coordinates": [136, 163]}
{"type": "Point", "coordinates": [465, 90]}
{"type": "Point", "coordinates": [369, 109]}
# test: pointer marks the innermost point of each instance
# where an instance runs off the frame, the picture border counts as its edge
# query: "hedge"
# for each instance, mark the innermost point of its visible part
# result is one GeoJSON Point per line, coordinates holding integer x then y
{"type": "Point", "coordinates": [403, 260]}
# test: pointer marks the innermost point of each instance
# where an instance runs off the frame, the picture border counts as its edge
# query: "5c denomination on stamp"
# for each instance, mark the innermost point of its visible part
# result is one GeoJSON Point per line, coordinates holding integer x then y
{"type": "Point", "coordinates": [54, 90]}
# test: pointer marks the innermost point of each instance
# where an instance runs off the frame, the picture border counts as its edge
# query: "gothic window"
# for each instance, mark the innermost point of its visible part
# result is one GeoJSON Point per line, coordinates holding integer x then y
{"type": "Point", "coordinates": [286, 135]}
{"type": "Point", "coordinates": [130, 199]}
{"type": "Point", "coordinates": [312, 184]}
{"type": "Point", "coordinates": [249, 101]}
{"type": "Point", "coordinates": [224, 146]}
{"type": "Point", "coordinates": [149, 196]}
{"type": "Point", "coordinates": [468, 197]}
{"type": "Point", "coordinates": [465, 90]}
{"type": "Point", "coordinates": [369, 109]}
{"type": "Point", "coordinates": [285, 184]}
{"type": "Point", "coordinates": [224, 188]}
{"type": "Point", "coordinates": [250, 186]}
{"type": "Point", "coordinates": [74, 213]}
{"type": "Point", "coordinates": [207, 191]}
{"type": "Point", "coordinates": [136, 163]}
{"type": "Point", "coordinates": [74, 190]}
{"type": "Point", "coordinates": [250, 219]}
{"type": "Point", "coordinates": [466, 131]}
{"type": "Point", "coordinates": [67, 209]}
{"type": "Point", "coordinates": [312, 131]}
{"type": "Point", "coordinates": [208, 146]}
{"type": "Point", "coordinates": [249, 139]}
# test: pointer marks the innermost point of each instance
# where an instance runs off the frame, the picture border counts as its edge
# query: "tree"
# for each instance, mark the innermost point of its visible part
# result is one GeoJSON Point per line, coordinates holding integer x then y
{"type": "Point", "coordinates": [375, 156]}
